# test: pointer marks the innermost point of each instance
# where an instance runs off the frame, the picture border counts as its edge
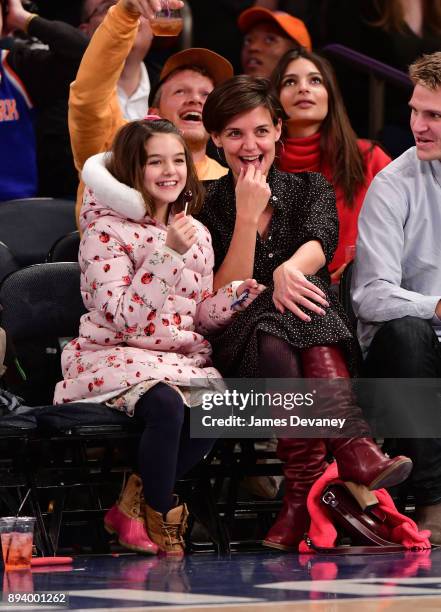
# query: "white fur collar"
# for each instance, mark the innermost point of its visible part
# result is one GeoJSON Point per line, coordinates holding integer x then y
{"type": "Point", "coordinates": [124, 200]}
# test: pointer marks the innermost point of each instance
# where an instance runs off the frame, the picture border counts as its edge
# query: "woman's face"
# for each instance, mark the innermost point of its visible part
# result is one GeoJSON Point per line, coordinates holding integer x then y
{"type": "Point", "coordinates": [304, 97]}
{"type": "Point", "coordinates": [165, 172]}
{"type": "Point", "coordinates": [249, 139]}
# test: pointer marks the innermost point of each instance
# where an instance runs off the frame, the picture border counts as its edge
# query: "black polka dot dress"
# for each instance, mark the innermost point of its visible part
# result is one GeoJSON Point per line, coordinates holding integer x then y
{"type": "Point", "coordinates": [304, 209]}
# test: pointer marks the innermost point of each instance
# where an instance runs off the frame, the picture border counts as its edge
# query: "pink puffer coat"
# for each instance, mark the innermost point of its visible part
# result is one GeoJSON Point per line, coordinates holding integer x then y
{"type": "Point", "coordinates": [149, 308]}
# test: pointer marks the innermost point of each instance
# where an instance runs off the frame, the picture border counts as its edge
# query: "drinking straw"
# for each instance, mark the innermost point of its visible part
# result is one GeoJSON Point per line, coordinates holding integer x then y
{"type": "Point", "coordinates": [22, 503]}
{"type": "Point", "coordinates": [42, 561]}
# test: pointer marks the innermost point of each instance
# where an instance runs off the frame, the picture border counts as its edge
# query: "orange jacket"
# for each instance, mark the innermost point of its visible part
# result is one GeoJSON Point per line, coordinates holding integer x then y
{"type": "Point", "coordinates": [94, 111]}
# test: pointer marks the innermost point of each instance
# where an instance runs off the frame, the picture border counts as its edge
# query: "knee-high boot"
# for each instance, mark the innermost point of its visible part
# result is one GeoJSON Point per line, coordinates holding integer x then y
{"type": "Point", "coordinates": [359, 459]}
{"type": "Point", "coordinates": [303, 462]}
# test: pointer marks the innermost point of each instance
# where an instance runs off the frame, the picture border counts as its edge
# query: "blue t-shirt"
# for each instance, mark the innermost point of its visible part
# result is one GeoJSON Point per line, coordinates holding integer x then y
{"type": "Point", "coordinates": [18, 174]}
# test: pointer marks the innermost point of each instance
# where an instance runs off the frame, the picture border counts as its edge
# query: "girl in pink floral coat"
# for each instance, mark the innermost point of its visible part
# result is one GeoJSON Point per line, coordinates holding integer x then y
{"type": "Point", "coordinates": [148, 286]}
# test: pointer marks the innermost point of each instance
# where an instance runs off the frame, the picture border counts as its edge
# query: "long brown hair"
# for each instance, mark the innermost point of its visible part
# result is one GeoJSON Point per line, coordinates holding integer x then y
{"type": "Point", "coordinates": [391, 15]}
{"type": "Point", "coordinates": [338, 141]}
{"type": "Point", "coordinates": [129, 157]}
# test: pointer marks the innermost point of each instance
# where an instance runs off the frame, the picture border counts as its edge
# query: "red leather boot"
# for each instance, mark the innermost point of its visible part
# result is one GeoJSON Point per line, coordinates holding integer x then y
{"type": "Point", "coordinates": [303, 462]}
{"type": "Point", "coordinates": [359, 459]}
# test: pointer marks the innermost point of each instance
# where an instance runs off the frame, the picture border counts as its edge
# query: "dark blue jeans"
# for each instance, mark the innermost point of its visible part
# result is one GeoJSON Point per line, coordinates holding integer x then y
{"type": "Point", "coordinates": [409, 348]}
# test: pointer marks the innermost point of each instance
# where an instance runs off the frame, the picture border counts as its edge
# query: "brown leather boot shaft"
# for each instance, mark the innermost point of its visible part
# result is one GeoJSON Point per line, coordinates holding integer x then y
{"type": "Point", "coordinates": [359, 459]}
{"type": "Point", "coordinates": [168, 534]}
{"type": "Point", "coordinates": [303, 463]}
{"type": "Point", "coordinates": [131, 499]}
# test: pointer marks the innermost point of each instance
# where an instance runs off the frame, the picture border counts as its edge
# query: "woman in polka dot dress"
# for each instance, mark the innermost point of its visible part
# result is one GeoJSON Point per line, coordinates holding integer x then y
{"type": "Point", "coordinates": [147, 282]}
{"type": "Point", "coordinates": [282, 230]}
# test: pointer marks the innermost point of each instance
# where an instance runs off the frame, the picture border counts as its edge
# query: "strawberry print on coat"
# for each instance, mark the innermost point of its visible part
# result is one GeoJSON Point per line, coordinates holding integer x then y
{"type": "Point", "coordinates": [148, 309]}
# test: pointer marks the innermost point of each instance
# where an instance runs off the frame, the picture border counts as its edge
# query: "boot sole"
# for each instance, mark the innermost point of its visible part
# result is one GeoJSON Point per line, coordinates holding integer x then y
{"type": "Point", "coordinates": [393, 475]}
{"type": "Point", "coordinates": [136, 549]}
{"type": "Point", "coordinates": [270, 544]}
{"type": "Point", "coordinates": [144, 551]}
{"type": "Point", "coordinates": [109, 529]}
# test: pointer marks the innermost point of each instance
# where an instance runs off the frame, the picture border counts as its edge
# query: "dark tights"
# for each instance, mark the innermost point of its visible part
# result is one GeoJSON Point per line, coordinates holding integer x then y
{"type": "Point", "coordinates": [277, 358]}
{"type": "Point", "coordinates": [166, 451]}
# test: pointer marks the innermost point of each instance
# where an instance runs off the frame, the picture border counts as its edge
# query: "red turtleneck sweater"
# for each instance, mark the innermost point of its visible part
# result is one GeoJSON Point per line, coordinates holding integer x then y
{"type": "Point", "coordinates": [303, 155]}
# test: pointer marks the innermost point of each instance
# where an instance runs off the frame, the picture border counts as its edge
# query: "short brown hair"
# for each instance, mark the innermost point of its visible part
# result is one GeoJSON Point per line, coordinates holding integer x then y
{"type": "Point", "coordinates": [156, 92]}
{"type": "Point", "coordinates": [236, 96]}
{"type": "Point", "coordinates": [426, 71]}
{"type": "Point", "coordinates": [129, 157]}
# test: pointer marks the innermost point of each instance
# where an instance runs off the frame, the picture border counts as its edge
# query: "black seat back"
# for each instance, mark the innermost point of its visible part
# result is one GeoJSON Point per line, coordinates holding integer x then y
{"type": "Point", "coordinates": [8, 263]}
{"type": "Point", "coordinates": [65, 248]}
{"type": "Point", "coordinates": [42, 305]}
{"type": "Point", "coordinates": [31, 226]}
{"type": "Point", "coordinates": [345, 293]}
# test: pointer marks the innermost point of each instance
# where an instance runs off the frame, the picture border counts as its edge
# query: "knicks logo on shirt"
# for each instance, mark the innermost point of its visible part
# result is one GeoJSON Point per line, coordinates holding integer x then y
{"type": "Point", "coordinates": [9, 110]}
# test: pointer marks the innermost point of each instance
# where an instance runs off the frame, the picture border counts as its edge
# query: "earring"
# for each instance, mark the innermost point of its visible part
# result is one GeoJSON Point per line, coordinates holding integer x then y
{"type": "Point", "coordinates": [220, 154]}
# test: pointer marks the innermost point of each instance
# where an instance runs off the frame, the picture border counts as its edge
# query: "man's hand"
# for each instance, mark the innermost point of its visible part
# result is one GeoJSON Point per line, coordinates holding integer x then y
{"type": "Point", "coordinates": [17, 16]}
{"type": "Point", "coordinates": [252, 194]}
{"type": "Point", "coordinates": [181, 234]}
{"type": "Point", "coordinates": [438, 310]}
{"type": "Point", "coordinates": [292, 289]}
{"type": "Point", "coordinates": [148, 8]}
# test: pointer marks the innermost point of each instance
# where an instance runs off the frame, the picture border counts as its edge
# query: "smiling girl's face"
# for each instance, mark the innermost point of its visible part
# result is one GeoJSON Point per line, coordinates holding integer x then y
{"type": "Point", "coordinates": [304, 98]}
{"type": "Point", "coordinates": [249, 139]}
{"type": "Point", "coordinates": [165, 172]}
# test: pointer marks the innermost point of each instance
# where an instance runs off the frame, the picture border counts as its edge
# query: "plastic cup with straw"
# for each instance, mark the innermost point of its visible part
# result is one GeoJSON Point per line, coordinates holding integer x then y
{"type": "Point", "coordinates": [17, 535]}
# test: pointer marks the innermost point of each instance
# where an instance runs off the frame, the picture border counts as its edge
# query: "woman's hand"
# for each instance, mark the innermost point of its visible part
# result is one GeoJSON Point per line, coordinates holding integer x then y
{"type": "Point", "coordinates": [148, 8]}
{"type": "Point", "coordinates": [249, 288]}
{"type": "Point", "coordinates": [292, 289]}
{"type": "Point", "coordinates": [252, 194]}
{"type": "Point", "coordinates": [181, 234]}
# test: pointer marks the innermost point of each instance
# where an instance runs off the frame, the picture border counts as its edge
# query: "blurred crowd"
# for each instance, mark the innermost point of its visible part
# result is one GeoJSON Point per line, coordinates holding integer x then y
{"type": "Point", "coordinates": [45, 54]}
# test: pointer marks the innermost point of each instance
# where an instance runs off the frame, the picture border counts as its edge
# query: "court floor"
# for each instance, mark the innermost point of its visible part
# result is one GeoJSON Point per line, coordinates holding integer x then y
{"type": "Point", "coordinates": [240, 583]}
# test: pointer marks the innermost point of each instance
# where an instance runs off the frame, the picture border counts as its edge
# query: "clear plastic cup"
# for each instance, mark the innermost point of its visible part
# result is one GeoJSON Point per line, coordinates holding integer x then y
{"type": "Point", "coordinates": [167, 21]}
{"type": "Point", "coordinates": [17, 535]}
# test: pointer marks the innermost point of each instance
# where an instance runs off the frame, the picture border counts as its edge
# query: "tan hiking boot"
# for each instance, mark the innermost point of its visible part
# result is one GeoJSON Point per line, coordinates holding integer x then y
{"type": "Point", "coordinates": [168, 534]}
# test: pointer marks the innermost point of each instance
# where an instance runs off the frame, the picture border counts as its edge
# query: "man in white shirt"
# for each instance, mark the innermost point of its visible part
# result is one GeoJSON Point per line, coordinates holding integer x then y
{"type": "Point", "coordinates": [396, 287]}
{"type": "Point", "coordinates": [186, 80]}
{"type": "Point", "coordinates": [134, 82]}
